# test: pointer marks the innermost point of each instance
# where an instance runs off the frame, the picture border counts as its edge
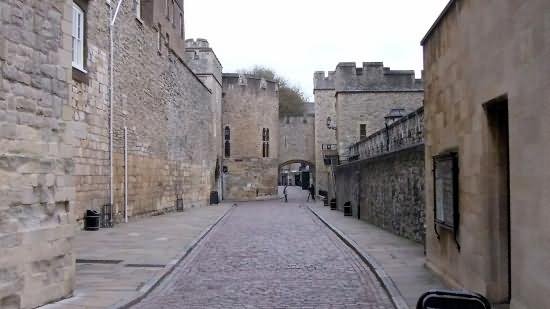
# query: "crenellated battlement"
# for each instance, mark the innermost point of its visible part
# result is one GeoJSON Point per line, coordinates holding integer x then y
{"type": "Point", "coordinates": [200, 57]}
{"type": "Point", "coordinates": [370, 76]}
{"type": "Point", "coordinates": [324, 80]}
{"type": "Point", "coordinates": [197, 43]}
{"type": "Point", "coordinates": [249, 81]}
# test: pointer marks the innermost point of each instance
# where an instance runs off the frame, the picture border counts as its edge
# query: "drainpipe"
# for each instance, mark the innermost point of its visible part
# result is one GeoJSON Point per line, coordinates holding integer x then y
{"type": "Point", "coordinates": [125, 174]}
{"type": "Point", "coordinates": [112, 19]}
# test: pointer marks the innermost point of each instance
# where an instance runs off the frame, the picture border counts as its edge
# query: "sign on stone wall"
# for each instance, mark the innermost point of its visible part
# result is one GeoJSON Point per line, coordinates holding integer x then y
{"type": "Point", "coordinates": [446, 189]}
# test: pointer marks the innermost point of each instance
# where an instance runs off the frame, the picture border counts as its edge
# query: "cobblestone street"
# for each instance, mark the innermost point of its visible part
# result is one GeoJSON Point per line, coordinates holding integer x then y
{"type": "Point", "coordinates": [270, 255]}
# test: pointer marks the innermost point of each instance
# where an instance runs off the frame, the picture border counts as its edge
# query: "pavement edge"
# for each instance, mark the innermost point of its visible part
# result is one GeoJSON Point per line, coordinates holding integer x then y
{"type": "Point", "coordinates": [155, 281]}
{"type": "Point", "coordinates": [385, 280]}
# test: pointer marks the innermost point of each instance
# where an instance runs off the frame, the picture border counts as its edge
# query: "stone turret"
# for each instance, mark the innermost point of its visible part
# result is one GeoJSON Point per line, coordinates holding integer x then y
{"type": "Point", "coordinates": [200, 57]}
{"type": "Point", "coordinates": [323, 81]}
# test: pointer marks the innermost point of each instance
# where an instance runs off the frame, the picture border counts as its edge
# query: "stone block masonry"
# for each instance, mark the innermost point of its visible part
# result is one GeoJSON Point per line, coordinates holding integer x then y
{"type": "Point", "coordinates": [37, 146]}
{"type": "Point", "coordinates": [386, 186]}
{"type": "Point", "coordinates": [250, 105]}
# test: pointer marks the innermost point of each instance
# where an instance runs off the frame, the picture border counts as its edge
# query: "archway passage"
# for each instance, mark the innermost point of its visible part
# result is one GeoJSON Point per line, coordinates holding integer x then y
{"type": "Point", "coordinates": [297, 172]}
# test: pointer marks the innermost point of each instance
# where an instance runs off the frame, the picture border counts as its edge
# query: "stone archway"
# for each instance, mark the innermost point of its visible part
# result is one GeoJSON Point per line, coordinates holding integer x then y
{"type": "Point", "coordinates": [302, 176]}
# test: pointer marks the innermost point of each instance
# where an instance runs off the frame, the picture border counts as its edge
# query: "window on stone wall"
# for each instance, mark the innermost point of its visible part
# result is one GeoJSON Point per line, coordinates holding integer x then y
{"type": "Point", "coordinates": [78, 37]}
{"type": "Point", "coordinates": [167, 6]}
{"type": "Point", "coordinates": [227, 138]}
{"type": "Point", "coordinates": [173, 14]}
{"type": "Point", "coordinates": [137, 8]}
{"type": "Point", "coordinates": [167, 40]}
{"type": "Point", "coordinates": [362, 131]}
{"type": "Point", "coordinates": [265, 143]}
{"type": "Point", "coordinates": [159, 38]}
{"type": "Point", "coordinates": [181, 26]}
{"type": "Point", "coordinates": [445, 170]}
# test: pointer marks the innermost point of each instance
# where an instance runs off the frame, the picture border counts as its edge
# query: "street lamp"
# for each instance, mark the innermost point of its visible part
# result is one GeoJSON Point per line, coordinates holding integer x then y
{"type": "Point", "coordinates": [394, 115]}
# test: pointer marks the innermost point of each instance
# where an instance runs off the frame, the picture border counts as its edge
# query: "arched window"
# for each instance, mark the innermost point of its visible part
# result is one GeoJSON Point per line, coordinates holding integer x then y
{"type": "Point", "coordinates": [265, 143]}
{"type": "Point", "coordinates": [227, 138]}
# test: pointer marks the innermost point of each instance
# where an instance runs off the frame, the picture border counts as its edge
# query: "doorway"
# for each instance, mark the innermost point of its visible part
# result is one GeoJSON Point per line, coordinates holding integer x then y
{"type": "Point", "coordinates": [498, 176]}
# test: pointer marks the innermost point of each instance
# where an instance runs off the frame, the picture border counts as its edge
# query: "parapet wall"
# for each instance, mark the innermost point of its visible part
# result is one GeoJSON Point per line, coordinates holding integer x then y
{"type": "Point", "coordinates": [323, 80]}
{"type": "Point", "coordinates": [373, 76]}
{"type": "Point", "coordinates": [403, 133]}
{"type": "Point", "coordinates": [200, 57]}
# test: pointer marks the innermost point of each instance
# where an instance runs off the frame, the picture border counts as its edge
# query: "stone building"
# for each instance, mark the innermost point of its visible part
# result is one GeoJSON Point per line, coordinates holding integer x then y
{"type": "Point", "coordinates": [160, 123]}
{"type": "Point", "coordinates": [384, 183]}
{"type": "Point", "coordinates": [206, 65]}
{"type": "Point", "coordinates": [324, 93]}
{"type": "Point", "coordinates": [352, 103]}
{"type": "Point", "coordinates": [251, 137]}
{"type": "Point", "coordinates": [57, 116]}
{"type": "Point", "coordinates": [297, 141]}
{"type": "Point", "coordinates": [487, 79]}
{"type": "Point", "coordinates": [37, 149]}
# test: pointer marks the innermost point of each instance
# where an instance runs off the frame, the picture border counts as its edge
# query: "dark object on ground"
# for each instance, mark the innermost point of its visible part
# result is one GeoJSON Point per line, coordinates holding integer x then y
{"type": "Point", "coordinates": [214, 198]}
{"type": "Point", "coordinates": [91, 220]}
{"type": "Point", "coordinates": [179, 204]}
{"type": "Point", "coordinates": [107, 216]}
{"type": "Point", "coordinates": [323, 193]}
{"type": "Point", "coordinates": [347, 209]}
{"type": "Point", "coordinates": [442, 299]}
{"type": "Point", "coordinates": [333, 204]}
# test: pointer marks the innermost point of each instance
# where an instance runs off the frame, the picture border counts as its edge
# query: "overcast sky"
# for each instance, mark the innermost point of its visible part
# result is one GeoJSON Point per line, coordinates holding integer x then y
{"type": "Point", "coordinates": [298, 37]}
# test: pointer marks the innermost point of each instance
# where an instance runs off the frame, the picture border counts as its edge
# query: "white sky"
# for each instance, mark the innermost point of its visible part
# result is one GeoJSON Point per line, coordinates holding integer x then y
{"type": "Point", "coordinates": [298, 37]}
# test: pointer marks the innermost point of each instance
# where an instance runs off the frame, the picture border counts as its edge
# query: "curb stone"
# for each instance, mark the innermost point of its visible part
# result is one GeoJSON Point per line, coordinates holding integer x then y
{"type": "Point", "coordinates": [150, 285]}
{"type": "Point", "coordinates": [397, 299]}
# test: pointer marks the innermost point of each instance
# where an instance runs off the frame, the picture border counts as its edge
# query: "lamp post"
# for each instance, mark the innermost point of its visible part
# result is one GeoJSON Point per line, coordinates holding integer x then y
{"type": "Point", "coordinates": [394, 115]}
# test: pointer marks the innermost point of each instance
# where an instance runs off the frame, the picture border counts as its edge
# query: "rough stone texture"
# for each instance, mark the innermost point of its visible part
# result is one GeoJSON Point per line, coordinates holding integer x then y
{"type": "Point", "coordinates": [477, 52]}
{"type": "Point", "coordinates": [167, 116]}
{"type": "Point", "coordinates": [365, 95]}
{"type": "Point", "coordinates": [154, 12]}
{"type": "Point", "coordinates": [249, 105]}
{"type": "Point", "coordinates": [169, 119]}
{"type": "Point", "coordinates": [325, 106]}
{"type": "Point", "coordinates": [266, 255]}
{"type": "Point", "coordinates": [297, 137]}
{"type": "Point", "coordinates": [389, 189]}
{"type": "Point", "coordinates": [36, 155]}
{"type": "Point", "coordinates": [206, 65]}
{"type": "Point", "coordinates": [406, 132]}
{"type": "Point", "coordinates": [90, 113]}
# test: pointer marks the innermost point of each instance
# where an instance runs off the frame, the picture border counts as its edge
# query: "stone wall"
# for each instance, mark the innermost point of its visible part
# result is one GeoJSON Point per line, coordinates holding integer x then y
{"type": "Point", "coordinates": [36, 154]}
{"type": "Point", "coordinates": [385, 182]}
{"type": "Point", "coordinates": [325, 106]}
{"type": "Point", "coordinates": [250, 105]}
{"type": "Point", "coordinates": [205, 64]}
{"type": "Point", "coordinates": [389, 190]}
{"type": "Point", "coordinates": [482, 54]}
{"type": "Point", "coordinates": [297, 136]}
{"type": "Point", "coordinates": [165, 108]}
{"type": "Point", "coordinates": [366, 95]}
{"type": "Point", "coordinates": [90, 113]}
{"type": "Point", "coordinates": [167, 112]}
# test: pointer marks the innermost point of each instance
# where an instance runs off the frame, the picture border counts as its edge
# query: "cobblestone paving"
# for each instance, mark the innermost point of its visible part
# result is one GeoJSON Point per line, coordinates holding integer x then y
{"type": "Point", "coordinates": [270, 255]}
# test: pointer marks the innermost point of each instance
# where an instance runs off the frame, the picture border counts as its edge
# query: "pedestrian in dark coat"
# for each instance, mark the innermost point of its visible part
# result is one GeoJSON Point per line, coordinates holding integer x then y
{"type": "Point", "coordinates": [311, 193]}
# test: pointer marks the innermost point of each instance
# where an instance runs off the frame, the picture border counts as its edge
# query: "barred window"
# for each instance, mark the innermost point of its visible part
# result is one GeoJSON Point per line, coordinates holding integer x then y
{"type": "Point", "coordinates": [227, 138]}
{"type": "Point", "coordinates": [265, 143]}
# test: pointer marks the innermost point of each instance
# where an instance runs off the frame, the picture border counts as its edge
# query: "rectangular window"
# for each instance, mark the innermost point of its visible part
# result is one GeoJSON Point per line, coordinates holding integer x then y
{"type": "Point", "coordinates": [78, 37]}
{"type": "Point", "coordinates": [137, 7]}
{"type": "Point", "coordinates": [181, 26]}
{"type": "Point", "coordinates": [159, 39]}
{"type": "Point", "coordinates": [362, 131]}
{"type": "Point", "coordinates": [173, 14]}
{"type": "Point", "coordinates": [445, 172]}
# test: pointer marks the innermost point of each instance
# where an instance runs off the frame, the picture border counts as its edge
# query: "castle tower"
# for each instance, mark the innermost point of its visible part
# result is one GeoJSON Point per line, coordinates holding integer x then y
{"type": "Point", "coordinates": [251, 137]}
{"type": "Point", "coordinates": [202, 60]}
{"type": "Point", "coordinates": [325, 116]}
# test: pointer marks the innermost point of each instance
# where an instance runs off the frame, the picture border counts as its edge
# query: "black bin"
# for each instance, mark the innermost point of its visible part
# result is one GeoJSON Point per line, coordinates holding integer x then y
{"type": "Point", "coordinates": [347, 209]}
{"type": "Point", "coordinates": [333, 204]}
{"type": "Point", "coordinates": [91, 221]}
{"type": "Point", "coordinates": [325, 201]}
{"type": "Point", "coordinates": [214, 198]}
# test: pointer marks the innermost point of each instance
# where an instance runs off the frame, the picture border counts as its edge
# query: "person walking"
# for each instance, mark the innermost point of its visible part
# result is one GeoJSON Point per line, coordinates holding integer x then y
{"type": "Point", "coordinates": [311, 193]}
{"type": "Point", "coordinates": [285, 193]}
